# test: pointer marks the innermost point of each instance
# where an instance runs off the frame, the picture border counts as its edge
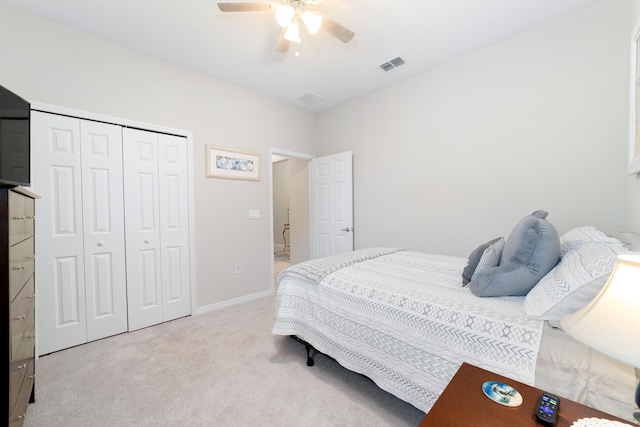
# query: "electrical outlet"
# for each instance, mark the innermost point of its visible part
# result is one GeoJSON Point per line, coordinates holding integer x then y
{"type": "Point", "coordinates": [237, 268]}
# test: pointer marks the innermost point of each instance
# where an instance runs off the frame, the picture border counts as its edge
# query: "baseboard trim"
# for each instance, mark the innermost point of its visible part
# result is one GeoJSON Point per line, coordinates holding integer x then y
{"type": "Point", "coordinates": [232, 302]}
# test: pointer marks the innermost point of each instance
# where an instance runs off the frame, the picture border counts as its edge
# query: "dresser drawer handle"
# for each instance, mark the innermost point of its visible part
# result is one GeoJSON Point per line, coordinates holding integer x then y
{"type": "Point", "coordinates": [23, 366]}
{"type": "Point", "coordinates": [21, 317]}
{"type": "Point", "coordinates": [22, 267]}
{"type": "Point", "coordinates": [31, 296]}
{"type": "Point", "coordinates": [19, 218]}
{"type": "Point", "coordinates": [20, 417]}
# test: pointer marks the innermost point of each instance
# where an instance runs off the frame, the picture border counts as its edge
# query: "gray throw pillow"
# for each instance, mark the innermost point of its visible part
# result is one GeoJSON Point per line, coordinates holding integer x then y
{"type": "Point", "coordinates": [530, 252]}
{"type": "Point", "coordinates": [484, 256]}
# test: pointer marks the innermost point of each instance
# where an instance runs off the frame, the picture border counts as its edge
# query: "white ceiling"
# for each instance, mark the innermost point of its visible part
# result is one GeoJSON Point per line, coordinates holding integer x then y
{"type": "Point", "coordinates": [239, 48]}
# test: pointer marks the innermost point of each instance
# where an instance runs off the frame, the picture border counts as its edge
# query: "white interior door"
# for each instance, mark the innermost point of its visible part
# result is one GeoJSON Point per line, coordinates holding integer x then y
{"type": "Point", "coordinates": [103, 221]}
{"type": "Point", "coordinates": [142, 221]}
{"type": "Point", "coordinates": [157, 223]}
{"type": "Point", "coordinates": [56, 177]}
{"type": "Point", "coordinates": [174, 226]}
{"type": "Point", "coordinates": [331, 205]}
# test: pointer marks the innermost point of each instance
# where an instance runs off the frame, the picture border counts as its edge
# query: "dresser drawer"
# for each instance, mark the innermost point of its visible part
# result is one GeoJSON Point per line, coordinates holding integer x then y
{"type": "Point", "coordinates": [21, 265]}
{"type": "Point", "coordinates": [20, 366]}
{"type": "Point", "coordinates": [22, 322]}
{"type": "Point", "coordinates": [21, 217]}
{"type": "Point", "coordinates": [21, 390]}
{"type": "Point", "coordinates": [24, 348]}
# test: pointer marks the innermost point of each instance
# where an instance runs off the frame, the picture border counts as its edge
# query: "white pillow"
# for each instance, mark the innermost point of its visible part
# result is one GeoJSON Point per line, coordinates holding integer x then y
{"type": "Point", "coordinates": [584, 235]}
{"type": "Point", "coordinates": [581, 273]}
{"type": "Point", "coordinates": [630, 239]}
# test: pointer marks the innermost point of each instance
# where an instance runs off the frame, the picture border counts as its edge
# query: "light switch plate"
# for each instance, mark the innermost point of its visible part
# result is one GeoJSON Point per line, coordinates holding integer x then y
{"type": "Point", "coordinates": [254, 213]}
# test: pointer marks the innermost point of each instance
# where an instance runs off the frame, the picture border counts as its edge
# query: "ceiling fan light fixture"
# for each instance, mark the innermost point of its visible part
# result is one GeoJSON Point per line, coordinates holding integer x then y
{"type": "Point", "coordinates": [292, 16]}
{"type": "Point", "coordinates": [284, 15]}
{"type": "Point", "coordinates": [292, 34]}
{"type": "Point", "coordinates": [312, 20]}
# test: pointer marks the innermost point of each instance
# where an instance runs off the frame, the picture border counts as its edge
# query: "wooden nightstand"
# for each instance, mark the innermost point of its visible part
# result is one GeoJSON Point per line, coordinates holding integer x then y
{"type": "Point", "coordinates": [464, 404]}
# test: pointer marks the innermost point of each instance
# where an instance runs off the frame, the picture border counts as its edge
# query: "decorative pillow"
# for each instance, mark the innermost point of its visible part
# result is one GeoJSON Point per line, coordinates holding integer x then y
{"type": "Point", "coordinates": [531, 251]}
{"type": "Point", "coordinates": [484, 256]}
{"type": "Point", "coordinates": [574, 282]}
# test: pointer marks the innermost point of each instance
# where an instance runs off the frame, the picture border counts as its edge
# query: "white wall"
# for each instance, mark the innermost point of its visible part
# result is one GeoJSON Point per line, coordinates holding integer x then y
{"type": "Point", "coordinates": [49, 63]}
{"type": "Point", "coordinates": [634, 180]}
{"type": "Point", "coordinates": [457, 155]}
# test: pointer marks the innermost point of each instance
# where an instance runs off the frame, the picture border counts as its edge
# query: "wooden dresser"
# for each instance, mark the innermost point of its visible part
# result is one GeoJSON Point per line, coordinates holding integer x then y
{"type": "Point", "coordinates": [17, 269]}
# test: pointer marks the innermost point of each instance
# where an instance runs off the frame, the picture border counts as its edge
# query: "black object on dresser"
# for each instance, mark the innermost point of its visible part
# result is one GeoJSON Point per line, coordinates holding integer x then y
{"type": "Point", "coordinates": [17, 269]}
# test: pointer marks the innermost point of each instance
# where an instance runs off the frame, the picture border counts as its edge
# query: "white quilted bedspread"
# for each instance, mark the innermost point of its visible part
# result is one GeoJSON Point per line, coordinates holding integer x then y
{"type": "Point", "coordinates": [404, 320]}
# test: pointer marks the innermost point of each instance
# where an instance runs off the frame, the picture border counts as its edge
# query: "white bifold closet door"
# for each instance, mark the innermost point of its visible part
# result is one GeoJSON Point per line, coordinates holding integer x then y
{"type": "Point", "coordinates": [156, 216]}
{"type": "Point", "coordinates": [81, 281]}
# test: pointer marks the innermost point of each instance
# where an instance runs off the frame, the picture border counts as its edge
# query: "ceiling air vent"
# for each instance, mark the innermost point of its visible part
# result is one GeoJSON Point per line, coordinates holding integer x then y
{"type": "Point", "coordinates": [309, 98]}
{"type": "Point", "coordinates": [394, 63]}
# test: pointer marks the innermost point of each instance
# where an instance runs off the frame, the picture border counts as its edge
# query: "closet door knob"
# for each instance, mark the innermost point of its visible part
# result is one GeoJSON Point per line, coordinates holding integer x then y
{"type": "Point", "coordinates": [101, 243]}
{"type": "Point", "coordinates": [147, 240]}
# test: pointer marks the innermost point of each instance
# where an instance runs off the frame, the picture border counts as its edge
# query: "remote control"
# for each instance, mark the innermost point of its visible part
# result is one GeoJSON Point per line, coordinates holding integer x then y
{"type": "Point", "coordinates": [547, 409]}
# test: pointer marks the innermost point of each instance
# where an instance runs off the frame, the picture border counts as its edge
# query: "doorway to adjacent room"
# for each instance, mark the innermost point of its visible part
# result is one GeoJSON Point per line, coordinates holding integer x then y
{"type": "Point", "coordinates": [289, 208]}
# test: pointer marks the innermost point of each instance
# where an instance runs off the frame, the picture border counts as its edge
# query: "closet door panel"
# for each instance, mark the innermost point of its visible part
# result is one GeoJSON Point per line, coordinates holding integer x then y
{"type": "Point", "coordinates": [60, 286]}
{"type": "Point", "coordinates": [103, 214]}
{"type": "Point", "coordinates": [149, 291]}
{"type": "Point", "coordinates": [174, 233]}
{"type": "Point", "coordinates": [67, 297]}
{"type": "Point", "coordinates": [144, 287]}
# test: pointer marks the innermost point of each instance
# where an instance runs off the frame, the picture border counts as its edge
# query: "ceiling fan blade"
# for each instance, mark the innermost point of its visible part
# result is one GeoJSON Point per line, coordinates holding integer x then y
{"type": "Point", "coordinates": [283, 44]}
{"type": "Point", "coordinates": [244, 7]}
{"type": "Point", "coordinates": [336, 30]}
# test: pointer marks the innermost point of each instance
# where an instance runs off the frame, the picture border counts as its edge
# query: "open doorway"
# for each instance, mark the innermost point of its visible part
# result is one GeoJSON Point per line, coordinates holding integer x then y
{"type": "Point", "coordinates": [289, 176]}
{"type": "Point", "coordinates": [281, 213]}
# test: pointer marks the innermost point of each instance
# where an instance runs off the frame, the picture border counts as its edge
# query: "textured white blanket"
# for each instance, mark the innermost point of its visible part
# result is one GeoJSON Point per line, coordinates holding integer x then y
{"type": "Point", "coordinates": [404, 320]}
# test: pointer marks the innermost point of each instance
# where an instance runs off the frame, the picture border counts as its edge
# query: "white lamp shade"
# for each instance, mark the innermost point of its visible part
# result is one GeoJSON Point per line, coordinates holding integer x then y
{"type": "Point", "coordinates": [312, 21]}
{"type": "Point", "coordinates": [292, 34]}
{"type": "Point", "coordinates": [610, 323]}
{"type": "Point", "coordinates": [284, 15]}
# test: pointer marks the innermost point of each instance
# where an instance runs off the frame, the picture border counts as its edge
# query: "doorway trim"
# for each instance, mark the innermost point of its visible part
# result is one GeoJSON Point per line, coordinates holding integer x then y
{"type": "Point", "coordinates": [285, 153]}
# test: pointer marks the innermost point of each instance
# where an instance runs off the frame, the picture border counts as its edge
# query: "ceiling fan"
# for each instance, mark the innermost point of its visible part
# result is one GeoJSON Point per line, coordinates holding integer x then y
{"type": "Point", "coordinates": [289, 14]}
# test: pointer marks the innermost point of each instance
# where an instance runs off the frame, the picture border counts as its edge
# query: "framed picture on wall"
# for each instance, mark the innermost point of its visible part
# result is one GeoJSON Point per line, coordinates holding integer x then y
{"type": "Point", "coordinates": [634, 108]}
{"type": "Point", "coordinates": [232, 164]}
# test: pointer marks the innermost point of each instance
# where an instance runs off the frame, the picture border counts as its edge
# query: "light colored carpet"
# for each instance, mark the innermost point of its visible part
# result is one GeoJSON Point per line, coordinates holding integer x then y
{"type": "Point", "coordinates": [223, 368]}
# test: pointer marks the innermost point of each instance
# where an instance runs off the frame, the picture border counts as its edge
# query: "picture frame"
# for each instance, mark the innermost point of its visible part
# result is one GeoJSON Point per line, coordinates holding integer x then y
{"type": "Point", "coordinates": [634, 104]}
{"type": "Point", "coordinates": [229, 163]}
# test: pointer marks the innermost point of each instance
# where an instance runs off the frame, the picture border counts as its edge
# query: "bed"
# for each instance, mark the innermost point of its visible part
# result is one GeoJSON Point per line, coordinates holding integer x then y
{"type": "Point", "coordinates": [405, 320]}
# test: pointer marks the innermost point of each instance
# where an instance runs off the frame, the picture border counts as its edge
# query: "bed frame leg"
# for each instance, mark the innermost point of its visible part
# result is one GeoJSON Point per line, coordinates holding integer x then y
{"type": "Point", "coordinates": [307, 347]}
{"type": "Point", "coordinates": [310, 361]}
